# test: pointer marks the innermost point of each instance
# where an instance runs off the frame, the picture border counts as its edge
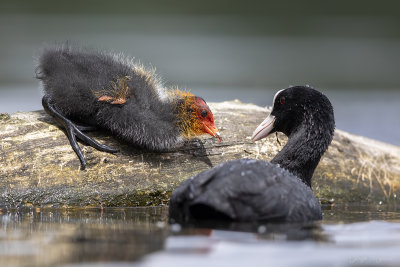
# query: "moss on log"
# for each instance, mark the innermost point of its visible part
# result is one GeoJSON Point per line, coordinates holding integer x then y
{"type": "Point", "coordinates": [39, 168]}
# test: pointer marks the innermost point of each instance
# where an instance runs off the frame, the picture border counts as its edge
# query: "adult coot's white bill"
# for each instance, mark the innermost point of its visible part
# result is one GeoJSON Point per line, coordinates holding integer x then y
{"type": "Point", "coordinates": [253, 190]}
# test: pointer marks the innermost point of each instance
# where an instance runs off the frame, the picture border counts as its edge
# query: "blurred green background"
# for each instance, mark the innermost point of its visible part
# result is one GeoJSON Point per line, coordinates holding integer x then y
{"type": "Point", "coordinates": [224, 50]}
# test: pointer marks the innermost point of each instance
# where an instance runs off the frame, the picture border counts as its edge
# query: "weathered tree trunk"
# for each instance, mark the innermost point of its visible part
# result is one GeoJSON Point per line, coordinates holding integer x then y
{"type": "Point", "coordinates": [38, 166]}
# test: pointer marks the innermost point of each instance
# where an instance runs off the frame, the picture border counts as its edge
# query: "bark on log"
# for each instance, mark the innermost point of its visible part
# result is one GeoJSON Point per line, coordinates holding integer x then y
{"type": "Point", "coordinates": [39, 168]}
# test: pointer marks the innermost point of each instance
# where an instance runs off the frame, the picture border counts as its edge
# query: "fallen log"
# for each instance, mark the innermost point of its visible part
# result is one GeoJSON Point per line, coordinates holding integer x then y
{"type": "Point", "coordinates": [39, 168]}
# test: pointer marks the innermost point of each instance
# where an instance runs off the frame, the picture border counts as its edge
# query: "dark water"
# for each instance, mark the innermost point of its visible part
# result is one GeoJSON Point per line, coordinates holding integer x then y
{"type": "Point", "coordinates": [347, 236]}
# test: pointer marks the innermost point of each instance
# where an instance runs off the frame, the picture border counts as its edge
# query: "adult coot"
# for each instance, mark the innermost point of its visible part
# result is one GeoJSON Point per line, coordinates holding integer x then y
{"type": "Point", "coordinates": [114, 93]}
{"type": "Point", "coordinates": [253, 190]}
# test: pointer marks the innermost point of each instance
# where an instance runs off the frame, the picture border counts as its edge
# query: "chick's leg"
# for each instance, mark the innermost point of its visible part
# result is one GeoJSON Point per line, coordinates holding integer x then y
{"type": "Point", "coordinates": [74, 131]}
{"type": "Point", "coordinates": [86, 128]}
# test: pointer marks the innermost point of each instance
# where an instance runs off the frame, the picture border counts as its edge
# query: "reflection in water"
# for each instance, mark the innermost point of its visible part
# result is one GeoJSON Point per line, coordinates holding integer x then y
{"type": "Point", "coordinates": [52, 237]}
{"type": "Point", "coordinates": [348, 235]}
{"type": "Point", "coordinates": [271, 231]}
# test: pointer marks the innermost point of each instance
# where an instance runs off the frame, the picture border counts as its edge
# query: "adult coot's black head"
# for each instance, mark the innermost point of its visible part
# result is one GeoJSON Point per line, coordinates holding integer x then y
{"type": "Point", "coordinates": [305, 115]}
{"type": "Point", "coordinates": [297, 108]}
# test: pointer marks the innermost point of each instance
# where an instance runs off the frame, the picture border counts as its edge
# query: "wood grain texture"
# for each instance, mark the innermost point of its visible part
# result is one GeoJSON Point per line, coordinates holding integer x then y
{"type": "Point", "coordinates": [39, 168]}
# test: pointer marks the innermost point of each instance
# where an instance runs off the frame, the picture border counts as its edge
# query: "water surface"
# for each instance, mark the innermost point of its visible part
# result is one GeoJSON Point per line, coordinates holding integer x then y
{"type": "Point", "coordinates": [347, 236]}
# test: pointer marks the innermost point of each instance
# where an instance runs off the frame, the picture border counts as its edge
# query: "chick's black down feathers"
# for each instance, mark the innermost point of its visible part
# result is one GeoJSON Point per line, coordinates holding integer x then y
{"type": "Point", "coordinates": [74, 79]}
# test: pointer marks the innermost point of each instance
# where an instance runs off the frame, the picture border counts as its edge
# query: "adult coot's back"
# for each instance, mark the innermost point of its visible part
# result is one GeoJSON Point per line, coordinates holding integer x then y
{"type": "Point", "coordinates": [280, 190]}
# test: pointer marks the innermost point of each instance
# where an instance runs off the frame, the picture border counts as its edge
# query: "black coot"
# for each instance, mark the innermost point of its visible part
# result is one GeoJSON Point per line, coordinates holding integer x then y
{"type": "Point", "coordinates": [103, 90]}
{"type": "Point", "coordinates": [253, 190]}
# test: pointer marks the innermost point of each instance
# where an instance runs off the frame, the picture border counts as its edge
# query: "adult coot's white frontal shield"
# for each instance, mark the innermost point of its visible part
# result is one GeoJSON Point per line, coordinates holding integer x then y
{"type": "Point", "coordinates": [264, 129]}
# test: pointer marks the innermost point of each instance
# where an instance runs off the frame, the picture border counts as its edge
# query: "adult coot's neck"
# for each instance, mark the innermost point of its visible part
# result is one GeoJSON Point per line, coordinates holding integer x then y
{"type": "Point", "coordinates": [306, 117]}
{"type": "Point", "coordinates": [304, 149]}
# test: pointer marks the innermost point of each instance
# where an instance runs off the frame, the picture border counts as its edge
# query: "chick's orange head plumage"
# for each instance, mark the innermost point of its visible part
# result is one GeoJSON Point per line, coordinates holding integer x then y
{"type": "Point", "coordinates": [205, 118]}
{"type": "Point", "coordinates": [194, 116]}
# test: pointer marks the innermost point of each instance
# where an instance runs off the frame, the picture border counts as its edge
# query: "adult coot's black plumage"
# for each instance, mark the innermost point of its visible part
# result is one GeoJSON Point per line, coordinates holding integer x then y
{"type": "Point", "coordinates": [280, 190]}
{"type": "Point", "coordinates": [115, 93]}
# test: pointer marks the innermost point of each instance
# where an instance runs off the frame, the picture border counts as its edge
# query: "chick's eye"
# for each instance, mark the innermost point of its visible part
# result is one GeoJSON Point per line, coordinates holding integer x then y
{"type": "Point", "coordinates": [204, 113]}
{"type": "Point", "coordinates": [282, 100]}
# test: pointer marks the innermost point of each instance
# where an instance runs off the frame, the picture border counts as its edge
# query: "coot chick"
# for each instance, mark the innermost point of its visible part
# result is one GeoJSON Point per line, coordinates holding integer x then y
{"type": "Point", "coordinates": [253, 190]}
{"type": "Point", "coordinates": [103, 90]}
